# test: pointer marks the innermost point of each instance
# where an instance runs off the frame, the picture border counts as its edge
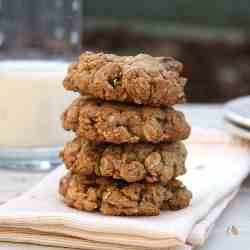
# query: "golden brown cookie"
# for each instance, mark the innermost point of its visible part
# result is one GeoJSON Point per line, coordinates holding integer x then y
{"type": "Point", "coordinates": [120, 198]}
{"type": "Point", "coordinates": [113, 122]}
{"type": "Point", "coordinates": [141, 79]}
{"type": "Point", "coordinates": [130, 162]}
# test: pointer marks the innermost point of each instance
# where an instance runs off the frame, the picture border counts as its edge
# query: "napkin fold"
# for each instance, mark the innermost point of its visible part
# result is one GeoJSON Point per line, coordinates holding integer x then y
{"type": "Point", "coordinates": [216, 165]}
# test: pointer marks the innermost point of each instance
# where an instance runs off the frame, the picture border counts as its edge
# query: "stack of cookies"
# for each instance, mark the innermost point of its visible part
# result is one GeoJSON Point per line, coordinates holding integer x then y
{"type": "Point", "coordinates": [127, 152]}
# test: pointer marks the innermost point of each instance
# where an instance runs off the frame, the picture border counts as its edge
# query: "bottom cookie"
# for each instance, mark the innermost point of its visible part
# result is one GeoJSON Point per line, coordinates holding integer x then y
{"type": "Point", "coordinates": [116, 197]}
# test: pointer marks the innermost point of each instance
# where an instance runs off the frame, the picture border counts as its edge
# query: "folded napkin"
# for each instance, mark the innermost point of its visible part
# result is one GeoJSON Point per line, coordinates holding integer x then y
{"type": "Point", "coordinates": [216, 165]}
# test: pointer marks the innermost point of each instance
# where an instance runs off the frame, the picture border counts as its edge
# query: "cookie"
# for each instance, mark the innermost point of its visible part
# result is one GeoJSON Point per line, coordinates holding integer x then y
{"type": "Point", "coordinates": [120, 198]}
{"type": "Point", "coordinates": [142, 79]}
{"type": "Point", "coordinates": [113, 122]}
{"type": "Point", "coordinates": [130, 162]}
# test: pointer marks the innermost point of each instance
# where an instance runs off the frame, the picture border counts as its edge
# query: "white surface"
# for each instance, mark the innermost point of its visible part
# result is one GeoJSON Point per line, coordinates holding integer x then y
{"type": "Point", "coordinates": [206, 148]}
{"type": "Point", "coordinates": [14, 183]}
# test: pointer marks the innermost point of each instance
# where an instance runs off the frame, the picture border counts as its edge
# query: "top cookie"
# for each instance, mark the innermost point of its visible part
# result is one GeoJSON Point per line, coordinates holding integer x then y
{"type": "Point", "coordinates": [141, 79]}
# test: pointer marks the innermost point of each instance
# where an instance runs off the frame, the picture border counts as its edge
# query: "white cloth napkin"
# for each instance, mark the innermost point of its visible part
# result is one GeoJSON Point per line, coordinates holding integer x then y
{"type": "Point", "coordinates": [216, 168]}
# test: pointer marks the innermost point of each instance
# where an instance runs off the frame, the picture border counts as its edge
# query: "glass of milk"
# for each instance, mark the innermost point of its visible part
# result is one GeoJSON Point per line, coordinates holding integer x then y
{"type": "Point", "coordinates": [32, 99]}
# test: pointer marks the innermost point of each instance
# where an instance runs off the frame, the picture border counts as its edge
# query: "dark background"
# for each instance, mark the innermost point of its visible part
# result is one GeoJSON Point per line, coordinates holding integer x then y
{"type": "Point", "coordinates": [211, 38]}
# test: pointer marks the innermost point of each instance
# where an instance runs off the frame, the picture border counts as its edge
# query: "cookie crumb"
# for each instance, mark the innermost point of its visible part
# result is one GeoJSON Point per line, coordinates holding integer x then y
{"type": "Point", "coordinates": [233, 230]}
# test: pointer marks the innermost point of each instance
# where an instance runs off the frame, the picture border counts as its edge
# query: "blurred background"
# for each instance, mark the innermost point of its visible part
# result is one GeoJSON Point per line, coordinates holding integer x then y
{"type": "Point", "coordinates": [38, 39]}
{"type": "Point", "coordinates": [211, 38]}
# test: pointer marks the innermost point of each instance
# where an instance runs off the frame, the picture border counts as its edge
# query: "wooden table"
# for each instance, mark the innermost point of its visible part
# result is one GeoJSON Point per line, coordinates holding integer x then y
{"type": "Point", "coordinates": [14, 183]}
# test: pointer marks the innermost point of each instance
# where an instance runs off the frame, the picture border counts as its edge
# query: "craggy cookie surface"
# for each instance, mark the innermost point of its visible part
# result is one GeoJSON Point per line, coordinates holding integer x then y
{"type": "Point", "coordinates": [113, 122]}
{"type": "Point", "coordinates": [120, 198]}
{"type": "Point", "coordinates": [130, 162]}
{"type": "Point", "coordinates": [141, 79]}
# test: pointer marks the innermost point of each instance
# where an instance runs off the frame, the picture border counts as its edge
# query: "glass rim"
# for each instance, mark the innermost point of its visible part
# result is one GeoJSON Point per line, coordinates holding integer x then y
{"type": "Point", "coordinates": [34, 65]}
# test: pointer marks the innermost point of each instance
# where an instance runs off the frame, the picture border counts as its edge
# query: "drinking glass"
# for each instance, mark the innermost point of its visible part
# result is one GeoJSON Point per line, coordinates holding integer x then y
{"type": "Point", "coordinates": [38, 39]}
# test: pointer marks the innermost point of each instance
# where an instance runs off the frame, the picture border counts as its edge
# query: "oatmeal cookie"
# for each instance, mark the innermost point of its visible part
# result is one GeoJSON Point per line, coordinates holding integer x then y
{"type": "Point", "coordinates": [141, 79]}
{"type": "Point", "coordinates": [114, 197]}
{"type": "Point", "coordinates": [130, 162]}
{"type": "Point", "coordinates": [113, 122]}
